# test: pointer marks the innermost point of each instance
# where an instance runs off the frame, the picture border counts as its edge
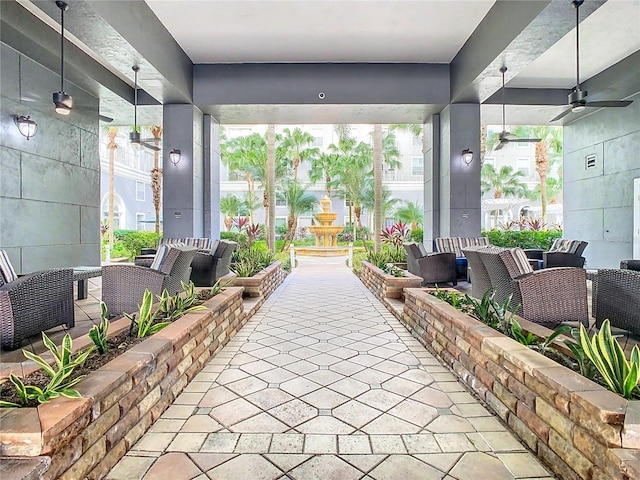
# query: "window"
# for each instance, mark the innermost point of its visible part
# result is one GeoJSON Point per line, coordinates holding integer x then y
{"type": "Point", "coordinates": [416, 141]}
{"type": "Point", "coordinates": [417, 166]}
{"type": "Point", "coordinates": [118, 212]}
{"type": "Point", "coordinates": [523, 166]}
{"type": "Point", "coordinates": [281, 202]}
{"type": "Point", "coordinates": [140, 191]}
{"type": "Point", "coordinates": [347, 202]}
{"type": "Point", "coordinates": [318, 137]}
{"type": "Point", "coordinates": [489, 161]}
{"type": "Point", "coordinates": [140, 223]}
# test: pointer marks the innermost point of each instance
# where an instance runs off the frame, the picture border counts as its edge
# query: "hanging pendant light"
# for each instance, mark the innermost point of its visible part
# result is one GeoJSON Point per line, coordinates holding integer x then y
{"type": "Point", "coordinates": [63, 102]}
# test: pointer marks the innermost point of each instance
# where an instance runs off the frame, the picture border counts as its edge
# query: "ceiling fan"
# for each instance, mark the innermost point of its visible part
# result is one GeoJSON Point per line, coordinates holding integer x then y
{"type": "Point", "coordinates": [508, 137]}
{"type": "Point", "coordinates": [578, 98]}
{"type": "Point", "coordinates": [62, 101]}
{"type": "Point", "coordinates": [134, 135]}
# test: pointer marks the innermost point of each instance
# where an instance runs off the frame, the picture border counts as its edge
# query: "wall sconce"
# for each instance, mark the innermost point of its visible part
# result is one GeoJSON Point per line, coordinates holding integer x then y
{"type": "Point", "coordinates": [174, 156]}
{"type": "Point", "coordinates": [467, 156]}
{"type": "Point", "coordinates": [26, 126]}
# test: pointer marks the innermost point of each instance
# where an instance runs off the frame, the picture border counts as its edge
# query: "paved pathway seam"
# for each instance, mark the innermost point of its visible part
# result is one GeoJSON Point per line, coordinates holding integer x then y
{"type": "Point", "coordinates": [324, 383]}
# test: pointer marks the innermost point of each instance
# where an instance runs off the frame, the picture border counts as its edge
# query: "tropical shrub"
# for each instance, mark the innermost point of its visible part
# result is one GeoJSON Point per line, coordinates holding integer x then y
{"type": "Point", "coordinates": [133, 240]}
{"type": "Point", "coordinates": [522, 238]}
{"type": "Point", "coordinates": [98, 333]}
{"type": "Point", "coordinates": [240, 238]}
{"type": "Point", "coordinates": [59, 385]}
{"type": "Point", "coordinates": [417, 235]}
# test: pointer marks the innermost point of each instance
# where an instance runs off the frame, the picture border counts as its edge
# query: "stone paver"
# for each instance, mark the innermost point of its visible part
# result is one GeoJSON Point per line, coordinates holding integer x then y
{"type": "Point", "coordinates": [324, 383]}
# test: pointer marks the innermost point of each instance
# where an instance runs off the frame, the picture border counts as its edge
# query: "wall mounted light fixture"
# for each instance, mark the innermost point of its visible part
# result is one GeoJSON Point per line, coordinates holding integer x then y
{"type": "Point", "coordinates": [467, 156]}
{"type": "Point", "coordinates": [26, 126]}
{"type": "Point", "coordinates": [175, 156]}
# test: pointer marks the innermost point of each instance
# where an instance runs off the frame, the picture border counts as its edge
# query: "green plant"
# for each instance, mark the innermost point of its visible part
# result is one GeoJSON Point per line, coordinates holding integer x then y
{"type": "Point", "coordinates": [586, 366]}
{"type": "Point", "coordinates": [522, 238]}
{"type": "Point", "coordinates": [219, 286]}
{"type": "Point", "coordinates": [533, 341]}
{"type": "Point", "coordinates": [379, 259]}
{"type": "Point", "coordinates": [98, 333]}
{"type": "Point", "coordinates": [59, 385]}
{"type": "Point", "coordinates": [503, 314]}
{"type": "Point", "coordinates": [240, 238]}
{"type": "Point", "coordinates": [482, 309]}
{"type": "Point", "coordinates": [455, 299]}
{"type": "Point", "coordinates": [146, 324]}
{"type": "Point", "coordinates": [417, 235]}
{"type": "Point", "coordinates": [619, 374]}
{"type": "Point", "coordinates": [133, 241]}
{"type": "Point", "coordinates": [171, 307]}
{"type": "Point", "coordinates": [245, 267]}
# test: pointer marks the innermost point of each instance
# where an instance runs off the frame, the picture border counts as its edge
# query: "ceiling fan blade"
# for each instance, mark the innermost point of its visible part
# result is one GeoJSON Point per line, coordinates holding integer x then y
{"type": "Point", "coordinates": [104, 118]}
{"type": "Point", "coordinates": [526, 140]}
{"type": "Point", "coordinates": [563, 114]}
{"type": "Point", "coordinates": [499, 145]}
{"type": "Point", "coordinates": [610, 103]}
{"type": "Point", "coordinates": [151, 140]}
{"type": "Point", "coordinates": [151, 147]}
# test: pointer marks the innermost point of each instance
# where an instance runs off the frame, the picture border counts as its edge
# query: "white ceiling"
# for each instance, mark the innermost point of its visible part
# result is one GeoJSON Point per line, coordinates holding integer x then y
{"type": "Point", "coordinates": [432, 31]}
{"type": "Point", "coordinates": [221, 31]}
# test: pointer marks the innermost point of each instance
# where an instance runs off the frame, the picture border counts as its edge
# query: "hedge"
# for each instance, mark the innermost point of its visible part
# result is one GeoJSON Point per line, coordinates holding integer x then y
{"type": "Point", "coordinates": [523, 238]}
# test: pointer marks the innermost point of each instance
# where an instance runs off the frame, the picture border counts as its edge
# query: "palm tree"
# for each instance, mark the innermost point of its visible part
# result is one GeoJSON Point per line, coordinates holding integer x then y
{"type": "Point", "coordinates": [377, 186]}
{"type": "Point", "coordinates": [231, 206]}
{"type": "Point", "coordinates": [411, 213]}
{"type": "Point", "coordinates": [112, 133]}
{"type": "Point", "coordinates": [270, 187]}
{"type": "Point", "coordinates": [156, 176]}
{"type": "Point", "coordinates": [297, 146]}
{"type": "Point", "coordinates": [251, 203]}
{"type": "Point", "coordinates": [323, 167]}
{"type": "Point", "coordinates": [298, 201]}
{"type": "Point", "coordinates": [503, 183]}
{"type": "Point", "coordinates": [547, 152]}
{"type": "Point", "coordinates": [387, 202]}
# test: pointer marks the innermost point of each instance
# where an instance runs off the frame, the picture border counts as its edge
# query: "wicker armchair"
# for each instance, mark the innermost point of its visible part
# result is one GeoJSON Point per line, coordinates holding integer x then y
{"type": "Point", "coordinates": [630, 265]}
{"type": "Point", "coordinates": [563, 253]}
{"type": "Point", "coordinates": [549, 297]}
{"type": "Point", "coordinates": [434, 268]}
{"type": "Point", "coordinates": [124, 285]}
{"type": "Point", "coordinates": [207, 268]}
{"type": "Point", "coordinates": [617, 297]}
{"type": "Point", "coordinates": [33, 303]}
{"type": "Point", "coordinates": [480, 281]}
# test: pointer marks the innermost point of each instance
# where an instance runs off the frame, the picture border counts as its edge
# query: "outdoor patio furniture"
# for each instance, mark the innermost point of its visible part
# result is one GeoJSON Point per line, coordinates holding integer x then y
{"type": "Point", "coordinates": [480, 281]}
{"type": "Point", "coordinates": [434, 268]}
{"type": "Point", "coordinates": [32, 303]}
{"type": "Point", "coordinates": [124, 285]}
{"type": "Point", "coordinates": [550, 296]}
{"type": "Point", "coordinates": [207, 268]}
{"type": "Point", "coordinates": [147, 254]}
{"type": "Point", "coordinates": [81, 275]}
{"type": "Point", "coordinates": [455, 245]}
{"type": "Point", "coordinates": [617, 297]}
{"type": "Point", "coordinates": [630, 265]}
{"type": "Point", "coordinates": [563, 253]}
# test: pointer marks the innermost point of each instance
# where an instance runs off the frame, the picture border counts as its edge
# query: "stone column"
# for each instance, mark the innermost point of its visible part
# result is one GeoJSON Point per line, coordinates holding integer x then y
{"type": "Point", "coordinates": [211, 166]}
{"type": "Point", "coordinates": [183, 187]}
{"type": "Point", "coordinates": [451, 186]}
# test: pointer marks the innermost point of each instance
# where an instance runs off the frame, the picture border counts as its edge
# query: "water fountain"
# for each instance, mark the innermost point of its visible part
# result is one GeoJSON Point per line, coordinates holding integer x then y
{"type": "Point", "coordinates": [325, 233]}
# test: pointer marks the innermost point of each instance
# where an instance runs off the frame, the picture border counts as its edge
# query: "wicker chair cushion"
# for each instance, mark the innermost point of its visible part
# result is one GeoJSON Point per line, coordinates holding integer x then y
{"type": "Point", "coordinates": [214, 247]}
{"type": "Point", "coordinates": [199, 243]}
{"type": "Point", "coordinates": [6, 269]}
{"type": "Point", "coordinates": [451, 244]}
{"type": "Point", "coordinates": [161, 254]}
{"type": "Point", "coordinates": [521, 260]}
{"type": "Point", "coordinates": [565, 246]}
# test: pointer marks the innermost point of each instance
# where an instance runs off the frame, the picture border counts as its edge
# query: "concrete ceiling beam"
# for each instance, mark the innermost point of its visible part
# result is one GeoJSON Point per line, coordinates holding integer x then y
{"type": "Point", "coordinates": [512, 34]}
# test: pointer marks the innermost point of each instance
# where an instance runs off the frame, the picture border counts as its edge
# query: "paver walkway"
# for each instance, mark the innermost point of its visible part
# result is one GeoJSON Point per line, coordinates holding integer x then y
{"type": "Point", "coordinates": [324, 383]}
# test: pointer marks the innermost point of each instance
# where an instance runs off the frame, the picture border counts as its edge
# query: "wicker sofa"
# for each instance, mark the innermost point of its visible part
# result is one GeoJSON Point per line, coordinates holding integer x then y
{"type": "Point", "coordinates": [33, 303]}
{"type": "Point", "coordinates": [123, 285]}
{"type": "Point", "coordinates": [208, 267]}
{"type": "Point", "coordinates": [456, 245]}
{"type": "Point", "coordinates": [434, 268]}
{"type": "Point", "coordinates": [479, 277]}
{"type": "Point", "coordinates": [549, 297]}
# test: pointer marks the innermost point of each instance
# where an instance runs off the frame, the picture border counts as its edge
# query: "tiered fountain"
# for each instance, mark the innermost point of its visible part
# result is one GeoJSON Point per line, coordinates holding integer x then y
{"type": "Point", "coordinates": [325, 233]}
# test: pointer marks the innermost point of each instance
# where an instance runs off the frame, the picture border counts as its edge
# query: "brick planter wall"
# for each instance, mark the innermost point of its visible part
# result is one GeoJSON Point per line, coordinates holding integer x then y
{"type": "Point", "coordinates": [578, 428]}
{"type": "Point", "coordinates": [263, 283]}
{"type": "Point", "coordinates": [84, 438]}
{"type": "Point", "coordinates": [383, 285]}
